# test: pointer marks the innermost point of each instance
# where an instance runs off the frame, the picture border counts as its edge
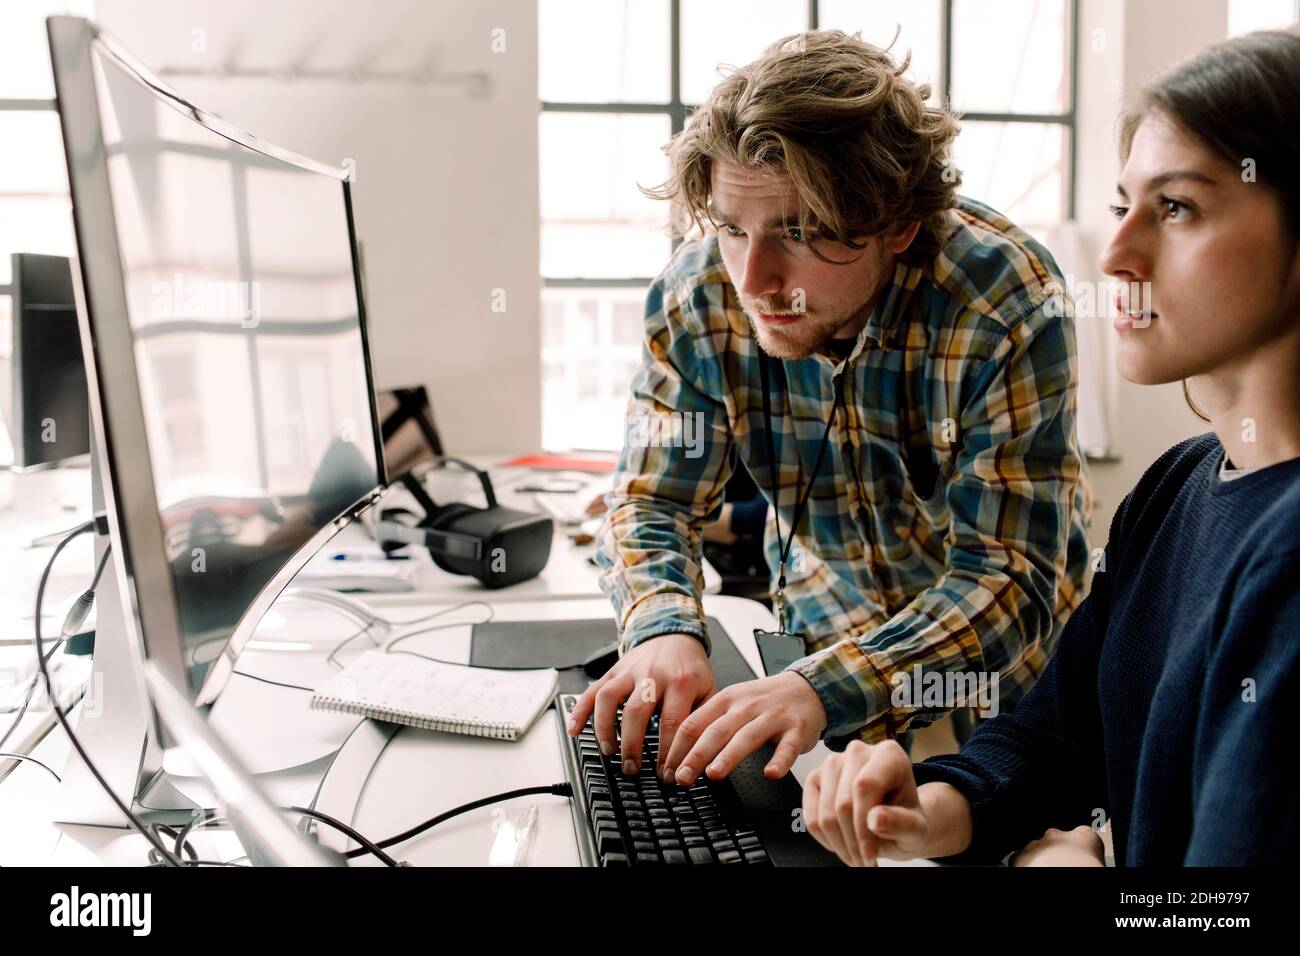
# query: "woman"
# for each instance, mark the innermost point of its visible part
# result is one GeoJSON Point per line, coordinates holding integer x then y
{"type": "Point", "coordinates": [1172, 697]}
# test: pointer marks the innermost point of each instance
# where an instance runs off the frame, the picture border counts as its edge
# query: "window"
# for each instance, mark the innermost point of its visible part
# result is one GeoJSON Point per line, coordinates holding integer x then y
{"type": "Point", "coordinates": [1245, 16]}
{"type": "Point", "coordinates": [618, 79]}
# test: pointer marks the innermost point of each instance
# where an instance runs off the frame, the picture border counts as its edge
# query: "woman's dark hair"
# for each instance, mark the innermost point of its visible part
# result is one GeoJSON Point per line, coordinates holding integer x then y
{"type": "Point", "coordinates": [1241, 99]}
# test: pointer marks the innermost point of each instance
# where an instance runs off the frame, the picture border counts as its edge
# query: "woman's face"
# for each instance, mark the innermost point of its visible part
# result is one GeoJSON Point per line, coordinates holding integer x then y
{"type": "Point", "coordinates": [1206, 263]}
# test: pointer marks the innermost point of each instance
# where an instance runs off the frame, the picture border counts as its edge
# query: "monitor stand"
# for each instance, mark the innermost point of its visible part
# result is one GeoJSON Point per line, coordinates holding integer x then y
{"type": "Point", "coordinates": [115, 725]}
{"type": "Point", "coordinates": [114, 722]}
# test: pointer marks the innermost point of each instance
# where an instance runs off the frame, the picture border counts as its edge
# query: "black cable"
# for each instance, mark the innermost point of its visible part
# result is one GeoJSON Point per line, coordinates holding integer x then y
{"type": "Point", "coordinates": [211, 817]}
{"type": "Point", "coordinates": [8, 756]}
{"type": "Point", "coordinates": [367, 846]}
{"type": "Point", "coordinates": [99, 569]}
{"type": "Point", "coordinates": [555, 789]}
{"type": "Point", "coordinates": [62, 718]}
{"type": "Point", "coordinates": [180, 845]}
{"type": "Point", "coordinates": [171, 831]}
{"type": "Point", "coordinates": [275, 683]}
{"type": "Point", "coordinates": [377, 849]}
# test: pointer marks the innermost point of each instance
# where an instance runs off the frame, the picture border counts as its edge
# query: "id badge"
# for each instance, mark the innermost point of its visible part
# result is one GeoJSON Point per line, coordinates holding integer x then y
{"type": "Point", "coordinates": [778, 650]}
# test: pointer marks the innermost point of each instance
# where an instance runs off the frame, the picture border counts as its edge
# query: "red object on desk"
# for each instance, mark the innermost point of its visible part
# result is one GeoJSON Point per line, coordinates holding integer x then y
{"type": "Point", "coordinates": [595, 465]}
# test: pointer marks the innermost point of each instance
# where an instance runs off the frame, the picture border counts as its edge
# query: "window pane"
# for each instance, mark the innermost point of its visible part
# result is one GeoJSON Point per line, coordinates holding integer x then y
{"type": "Point", "coordinates": [595, 222]}
{"type": "Point", "coordinates": [32, 161]}
{"type": "Point", "coordinates": [878, 19]}
{"type": "Point", "coordinates": [603, 51]}
{"type": "Point", "coordinates": [731, 32]}
{"type": "Point", "coordinates": [1017, 168]}
{"type": "Point", "coordinates": [1010, 56]}
{"type": "Point", "coordinates": [1245, 16]}
{"type": "Point", "coordinates": [36, 224]}
{"type": "Point", "coordinates": [24, 49]}
{"type": "Point", "coordinates": [587, 368]}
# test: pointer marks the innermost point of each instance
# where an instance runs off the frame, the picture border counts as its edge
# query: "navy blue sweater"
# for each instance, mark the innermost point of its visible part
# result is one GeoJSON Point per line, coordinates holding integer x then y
{"type": "Point", "coordinates": [1172, 703]}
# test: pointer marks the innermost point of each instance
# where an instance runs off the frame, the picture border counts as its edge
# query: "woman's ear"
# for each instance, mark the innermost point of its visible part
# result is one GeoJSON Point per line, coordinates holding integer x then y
{"type": "Point", "coordinates": [898, 241]}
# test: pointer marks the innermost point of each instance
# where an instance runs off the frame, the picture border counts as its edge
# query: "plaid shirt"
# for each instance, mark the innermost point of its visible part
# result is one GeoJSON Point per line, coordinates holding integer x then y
{"type": "Point", "coordinates": [946, 528]}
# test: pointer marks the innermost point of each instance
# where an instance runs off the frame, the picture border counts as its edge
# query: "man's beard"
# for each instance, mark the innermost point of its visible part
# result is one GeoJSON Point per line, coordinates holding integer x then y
{"type": "Point", "coordinates": [797, 340]}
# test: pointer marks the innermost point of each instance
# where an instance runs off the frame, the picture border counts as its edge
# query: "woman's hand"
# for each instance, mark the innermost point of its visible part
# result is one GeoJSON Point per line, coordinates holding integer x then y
{"type": "Point", "coordinates": [1081, 846]}
{"type": "Point", "coordinates": [864, 803]}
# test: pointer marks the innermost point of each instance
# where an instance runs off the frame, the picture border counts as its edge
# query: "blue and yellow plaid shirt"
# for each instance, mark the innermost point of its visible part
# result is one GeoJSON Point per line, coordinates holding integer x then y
{"type": "Point", "coordinates": [947, 526]}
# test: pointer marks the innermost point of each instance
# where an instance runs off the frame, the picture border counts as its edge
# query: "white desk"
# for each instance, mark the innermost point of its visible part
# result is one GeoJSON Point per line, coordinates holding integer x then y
{"type": "Point", "coordinates": [420, 774]}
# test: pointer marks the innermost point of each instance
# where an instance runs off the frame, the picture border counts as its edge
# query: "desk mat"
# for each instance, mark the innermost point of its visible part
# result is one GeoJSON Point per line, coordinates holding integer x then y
{"type": "Point", "coordinates": [560, 643]}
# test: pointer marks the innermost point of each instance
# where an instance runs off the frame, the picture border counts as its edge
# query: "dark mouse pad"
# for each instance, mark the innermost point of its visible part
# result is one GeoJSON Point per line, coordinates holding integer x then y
{"type": "Point", "coordinates": [563, 643]}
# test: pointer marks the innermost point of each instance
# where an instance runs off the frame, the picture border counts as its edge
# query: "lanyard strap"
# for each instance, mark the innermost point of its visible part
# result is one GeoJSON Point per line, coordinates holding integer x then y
{"type": "Point", "coordinates": [801, 500]}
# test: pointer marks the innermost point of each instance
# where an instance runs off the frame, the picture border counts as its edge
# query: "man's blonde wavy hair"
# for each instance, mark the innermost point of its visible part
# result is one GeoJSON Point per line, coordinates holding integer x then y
{"type": "Point", "coordinates": [864, 150]}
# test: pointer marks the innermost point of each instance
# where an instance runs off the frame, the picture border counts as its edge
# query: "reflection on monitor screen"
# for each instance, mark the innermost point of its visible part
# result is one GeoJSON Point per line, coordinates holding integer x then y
{"type": "Point", "coordinates": [246, 333]}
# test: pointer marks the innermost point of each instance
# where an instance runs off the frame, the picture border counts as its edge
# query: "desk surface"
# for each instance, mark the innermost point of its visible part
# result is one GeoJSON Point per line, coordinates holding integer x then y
{"type": "Point", "coordinates": [420, 773]}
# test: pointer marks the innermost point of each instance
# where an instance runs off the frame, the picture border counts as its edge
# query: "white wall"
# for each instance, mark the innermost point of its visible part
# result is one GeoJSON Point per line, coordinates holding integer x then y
{"type": "Point", "coordinates": [1124, 44]}
{"type": "Point", "coordinates": [446, 193]}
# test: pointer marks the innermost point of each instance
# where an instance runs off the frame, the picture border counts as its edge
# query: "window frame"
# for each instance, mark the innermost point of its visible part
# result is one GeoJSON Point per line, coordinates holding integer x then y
{"type": "Point", "coordinates": [677, 111]}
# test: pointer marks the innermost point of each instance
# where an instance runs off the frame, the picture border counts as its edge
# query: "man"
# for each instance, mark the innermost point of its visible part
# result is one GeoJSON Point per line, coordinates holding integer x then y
{"type": "Point", "coordinates": [930, 495]}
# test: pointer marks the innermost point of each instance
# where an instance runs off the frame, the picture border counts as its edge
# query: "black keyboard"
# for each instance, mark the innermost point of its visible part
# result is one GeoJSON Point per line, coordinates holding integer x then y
{"type": "Point", "coordinates": [642, 821]}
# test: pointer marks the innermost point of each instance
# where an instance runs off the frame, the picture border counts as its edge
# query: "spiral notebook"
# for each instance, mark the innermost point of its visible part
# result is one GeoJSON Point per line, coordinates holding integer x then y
{"type": "Point", "coordinates": [454, 698]}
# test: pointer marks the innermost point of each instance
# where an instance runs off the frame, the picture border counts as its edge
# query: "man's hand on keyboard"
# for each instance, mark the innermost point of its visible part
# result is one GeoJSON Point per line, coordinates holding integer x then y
{"type": "Point", "coordinates": [669, 674]}
{"type": "Point", "coordinates": [783, 709]}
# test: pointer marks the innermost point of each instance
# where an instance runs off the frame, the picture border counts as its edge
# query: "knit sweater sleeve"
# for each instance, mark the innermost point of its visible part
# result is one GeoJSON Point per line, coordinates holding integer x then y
{"type": "Point", "coordinates": [1041, 765]}
{"type": "Point", "coordinates": [1245, 776]}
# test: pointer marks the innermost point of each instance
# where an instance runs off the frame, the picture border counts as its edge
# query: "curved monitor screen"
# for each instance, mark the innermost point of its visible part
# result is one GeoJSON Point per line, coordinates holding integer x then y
{"type": "Point", "coordinates": [249, 351]}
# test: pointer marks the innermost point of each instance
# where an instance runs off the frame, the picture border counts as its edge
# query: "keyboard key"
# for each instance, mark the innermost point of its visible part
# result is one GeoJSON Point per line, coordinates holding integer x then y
{"type": "Point", "coordinates": [729, 856]}
{"type": "Point", "coordinates": [674, 856]}
{"type": "Point", "coordinates": [700, 854]}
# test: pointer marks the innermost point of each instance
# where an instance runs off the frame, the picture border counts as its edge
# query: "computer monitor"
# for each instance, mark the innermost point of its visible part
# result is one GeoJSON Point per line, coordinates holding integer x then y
{"type": "Point", "coordinates": [47, 414]}
{"type": "Point", "coordinates": [221, 313]}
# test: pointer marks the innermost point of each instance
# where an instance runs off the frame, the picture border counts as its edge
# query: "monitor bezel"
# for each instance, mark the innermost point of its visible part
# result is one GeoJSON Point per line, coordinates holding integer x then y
{"type": "Point", "coordinates": [117, 411]}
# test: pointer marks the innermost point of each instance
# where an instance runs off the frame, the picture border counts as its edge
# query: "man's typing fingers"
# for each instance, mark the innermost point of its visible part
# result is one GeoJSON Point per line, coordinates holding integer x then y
{"type": "Point", "coordinates": [743, 742]}
{"type": "Point", "coordinates": [689, 730]}
{"type": "Point", "coordinates": [583, 707]}
{"type": "Point", "coordinates": [677, 704]}
{"type": "Point", "coordinates": [608, 699]}
{"type": "Point", "coordinates": [637, 711]}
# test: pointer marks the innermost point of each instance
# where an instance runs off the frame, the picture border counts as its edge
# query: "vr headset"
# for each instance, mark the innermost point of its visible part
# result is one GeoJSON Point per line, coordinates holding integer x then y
{"type": "Point", "coordinates": [496, 545]}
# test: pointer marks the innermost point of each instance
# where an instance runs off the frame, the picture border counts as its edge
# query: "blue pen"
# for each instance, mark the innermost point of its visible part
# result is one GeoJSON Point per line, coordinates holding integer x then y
{"type": "Point", "coordinates": [344, 556]}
